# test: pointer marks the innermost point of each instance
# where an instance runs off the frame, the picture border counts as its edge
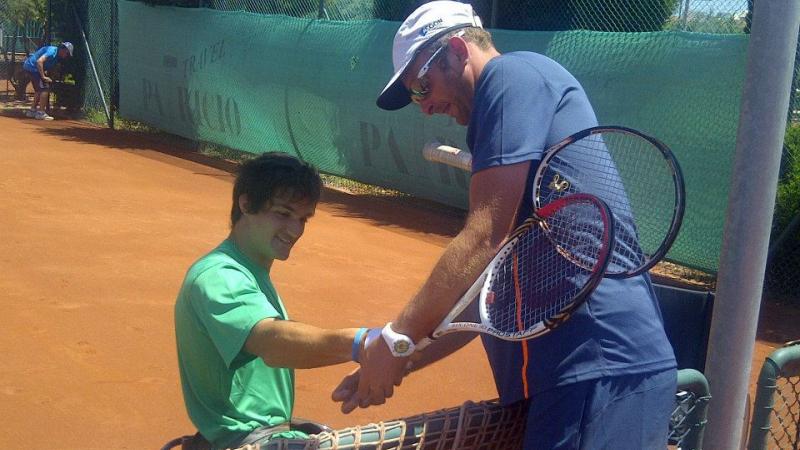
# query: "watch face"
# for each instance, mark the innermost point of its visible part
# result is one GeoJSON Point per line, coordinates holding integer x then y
{"type": "Point", "coordinates": [401, 347]}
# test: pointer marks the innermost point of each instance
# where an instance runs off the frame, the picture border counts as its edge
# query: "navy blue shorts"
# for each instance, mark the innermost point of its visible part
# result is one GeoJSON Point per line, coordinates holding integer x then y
{"type": "Point", "coordinates": [624, 412]}
{"type": "Point", "coordinates": [39, 85]}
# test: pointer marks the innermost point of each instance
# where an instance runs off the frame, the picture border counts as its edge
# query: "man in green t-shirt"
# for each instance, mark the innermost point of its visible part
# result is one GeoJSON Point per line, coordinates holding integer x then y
{"type": "Point", "coordinates": [237, 348]}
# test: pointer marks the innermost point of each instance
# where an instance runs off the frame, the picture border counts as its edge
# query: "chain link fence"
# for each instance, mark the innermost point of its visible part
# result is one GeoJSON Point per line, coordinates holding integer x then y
{"type": "Point", "coordinates": [786, 414]}
{"type": "Point", "coordinates": [92, 27]}
{"type": "Point", "coordinates": [776, 411]}
{"type": "Point", "coordinates": [704, 16]}
{"type": "Point", "coordinates": [17, 40]}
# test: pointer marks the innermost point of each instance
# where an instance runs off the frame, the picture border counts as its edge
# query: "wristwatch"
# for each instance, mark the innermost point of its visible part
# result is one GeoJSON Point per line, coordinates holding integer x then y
{"type": "Point", "coordinates": [399, 344]}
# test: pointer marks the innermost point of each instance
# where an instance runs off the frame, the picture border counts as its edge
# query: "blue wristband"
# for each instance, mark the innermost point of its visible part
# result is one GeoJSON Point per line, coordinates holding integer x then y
{"type": "Point", "coordinates": [357, 343]}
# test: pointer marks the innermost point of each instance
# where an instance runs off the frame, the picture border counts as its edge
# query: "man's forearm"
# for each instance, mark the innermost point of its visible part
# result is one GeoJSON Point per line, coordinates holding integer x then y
{"type": "Point", "coordinates": [460, 264]}
{"type": "Point", "coordinates": [284, 343]}
{"type": "Point", "coordinates": [440, 349]}
{"type": "Point", "coordinates": [494, 199]}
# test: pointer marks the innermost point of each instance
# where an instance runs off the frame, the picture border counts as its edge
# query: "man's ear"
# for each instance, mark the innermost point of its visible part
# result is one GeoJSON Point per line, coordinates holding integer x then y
{"type": "Point", "coordinates": [458, 48]}
{"type": "Point", "coordinates": [244, 204]}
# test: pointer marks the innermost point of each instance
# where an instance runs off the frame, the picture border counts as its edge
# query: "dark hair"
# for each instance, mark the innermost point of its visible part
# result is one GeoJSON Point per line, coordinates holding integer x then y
{"type": "Point", "coordinates": [271, 174]}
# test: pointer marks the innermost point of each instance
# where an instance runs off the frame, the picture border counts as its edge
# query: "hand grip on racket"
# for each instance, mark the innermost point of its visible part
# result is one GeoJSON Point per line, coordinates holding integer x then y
{"type": "Point", "coordinates": [546, 269]}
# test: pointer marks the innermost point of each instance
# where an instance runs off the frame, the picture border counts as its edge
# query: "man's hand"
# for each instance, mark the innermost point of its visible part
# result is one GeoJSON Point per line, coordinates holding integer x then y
{"type": "Point", "coordinates": [347, 387]}
{"type": "Point", "coordinates": [47, 79]}
{"type": "Point", "coordinates": [374, 382]}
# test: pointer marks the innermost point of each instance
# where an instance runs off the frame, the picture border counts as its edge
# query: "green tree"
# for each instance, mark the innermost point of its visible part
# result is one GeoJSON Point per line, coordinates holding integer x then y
{"type": "Point", "coordinates": [20, 12]}
{"type": "Point", "coordinates": [604, 15]}
{"type": "Point", "coordinates": [396, 10]}
{"type": "Point", "coordinates": [787, 205]}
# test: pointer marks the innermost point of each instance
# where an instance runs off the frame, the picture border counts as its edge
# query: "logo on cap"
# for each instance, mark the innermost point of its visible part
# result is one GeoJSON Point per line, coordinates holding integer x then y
{"type": "Point", "coordinates": [427, 28]}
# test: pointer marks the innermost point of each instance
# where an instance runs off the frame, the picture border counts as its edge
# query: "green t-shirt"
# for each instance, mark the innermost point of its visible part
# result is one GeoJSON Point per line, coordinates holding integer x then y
{"type": "Point", "coordinates": [227, 391]}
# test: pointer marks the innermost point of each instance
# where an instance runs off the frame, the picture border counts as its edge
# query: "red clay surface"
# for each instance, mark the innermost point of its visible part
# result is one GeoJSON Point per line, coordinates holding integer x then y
{"type": "Point", "coordinates": [98, 228]}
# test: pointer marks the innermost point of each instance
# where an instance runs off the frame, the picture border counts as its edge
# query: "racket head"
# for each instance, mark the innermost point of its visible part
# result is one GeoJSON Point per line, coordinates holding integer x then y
{"type": "Point", "coordinates": [636, 175]}
{"type": "Point", "coordinates": [549, 267]}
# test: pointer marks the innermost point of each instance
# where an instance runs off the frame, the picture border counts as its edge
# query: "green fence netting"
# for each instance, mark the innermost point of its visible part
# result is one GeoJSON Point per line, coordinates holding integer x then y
{"type": "Point", "coordinates": [317, 114]}
{"type": "Point", "coordinates": [304, 86]}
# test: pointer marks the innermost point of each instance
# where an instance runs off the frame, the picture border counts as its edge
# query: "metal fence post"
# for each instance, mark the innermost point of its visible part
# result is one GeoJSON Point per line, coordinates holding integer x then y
{"type": "Point", "coordinates": [49, 36]}
{"type": "Point", "coordinates": [113, 65]}
{"type": "Point", "coordinates": [762, 123]}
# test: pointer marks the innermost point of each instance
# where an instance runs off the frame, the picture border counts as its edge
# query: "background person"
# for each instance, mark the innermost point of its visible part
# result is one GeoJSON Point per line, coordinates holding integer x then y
{"type": "Point", "coordinates": [37, 66]}
{"type": "Point", "coordinates": [606, 378]}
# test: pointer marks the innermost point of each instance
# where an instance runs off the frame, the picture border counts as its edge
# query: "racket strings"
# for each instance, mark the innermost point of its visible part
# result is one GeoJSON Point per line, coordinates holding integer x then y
{"type": "Point", "coordinates": [537, 285]}
{"type": "Point", "coordinates": [632, 176]}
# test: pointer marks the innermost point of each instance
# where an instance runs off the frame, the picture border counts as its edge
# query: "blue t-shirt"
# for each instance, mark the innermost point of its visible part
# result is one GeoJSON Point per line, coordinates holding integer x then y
{"type": "Point", "coordinates": [51, 51]}
{"type": "Point", "coordinates": [524, 103]}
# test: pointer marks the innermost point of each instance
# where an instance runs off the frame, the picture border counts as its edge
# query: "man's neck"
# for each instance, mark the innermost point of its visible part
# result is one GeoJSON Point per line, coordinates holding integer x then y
{"type": "Point", "coordinates": [242, 242]}
{"type": "Point", "coordinates": [479, 58]}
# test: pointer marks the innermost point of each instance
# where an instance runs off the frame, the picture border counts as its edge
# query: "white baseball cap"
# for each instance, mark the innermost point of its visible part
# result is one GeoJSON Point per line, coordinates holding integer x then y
{"type": "Point", "coordinates": [426, 24]}
{"type": "Point", "coordinates": [68, 46]}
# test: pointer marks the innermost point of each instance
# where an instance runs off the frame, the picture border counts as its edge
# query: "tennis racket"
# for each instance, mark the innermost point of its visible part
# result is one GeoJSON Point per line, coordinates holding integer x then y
{"type": "Point", "coordinates": [635, 174]}
{"type": "Point", "coordinates": [546, 269]}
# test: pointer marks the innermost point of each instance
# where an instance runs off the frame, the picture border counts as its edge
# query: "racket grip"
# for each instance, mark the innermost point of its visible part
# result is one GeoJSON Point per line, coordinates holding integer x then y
{"type": "Point", "coordinates": [436, 152]}
{"type": "Point", "coordinates": [424, 342]}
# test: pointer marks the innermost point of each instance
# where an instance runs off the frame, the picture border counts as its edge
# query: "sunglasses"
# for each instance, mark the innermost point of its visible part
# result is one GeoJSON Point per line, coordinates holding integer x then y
{"type": "Point", "coordinates": [419, 95]}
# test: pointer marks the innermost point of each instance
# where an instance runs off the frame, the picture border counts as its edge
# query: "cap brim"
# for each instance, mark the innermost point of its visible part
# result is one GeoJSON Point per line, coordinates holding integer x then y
{"type": "Point", "coordinates": [395, 95]}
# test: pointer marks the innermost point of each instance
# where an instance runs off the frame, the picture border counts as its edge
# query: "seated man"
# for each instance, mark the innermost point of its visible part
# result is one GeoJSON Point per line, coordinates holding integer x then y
{"type": "Point", "coordinates": [237, 348]}
{"type": "Point", "coordinates": [36, 67]}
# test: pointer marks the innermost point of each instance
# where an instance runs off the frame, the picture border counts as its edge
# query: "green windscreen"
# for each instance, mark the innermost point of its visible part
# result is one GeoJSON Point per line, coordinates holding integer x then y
{"type": "Point", "coordinates": [308, 87]}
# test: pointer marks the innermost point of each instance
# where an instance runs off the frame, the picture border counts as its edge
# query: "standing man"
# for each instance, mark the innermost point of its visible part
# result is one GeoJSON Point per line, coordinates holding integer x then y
{"type": "Point", "coordinates": [237, 347]}
{"type": "Point", "coordinates": [36, 67]}
{"type": "Point", "coordinates": [606, 378]}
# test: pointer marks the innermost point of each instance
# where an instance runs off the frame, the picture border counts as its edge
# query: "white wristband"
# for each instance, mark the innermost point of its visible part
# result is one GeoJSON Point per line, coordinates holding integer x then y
{"type": "Point", "coordinates": [372, 334]}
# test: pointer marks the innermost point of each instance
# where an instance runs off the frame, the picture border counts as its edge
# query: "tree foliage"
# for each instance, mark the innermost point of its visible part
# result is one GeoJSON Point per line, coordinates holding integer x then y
{"type": "Point", "coordinates": [607, 15]}
{"type": "Point", "coordinates": [179, 3]}
{"type": "Point", "coordinates": [787, 204]}
{"type": "Point", "coordinates": [19, 12]}
{"type": "Point", "coordinates": [395, 9]}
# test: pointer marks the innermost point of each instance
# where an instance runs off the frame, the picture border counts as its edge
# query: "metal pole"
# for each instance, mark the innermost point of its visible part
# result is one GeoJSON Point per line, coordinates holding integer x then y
{"type": "Point", "coordinates": [685, 15]}
{"type": "Point", "coordinates": [762, 123]}
{"type": "Point", "coordinates": [49, 37]}
{"type": "Point", "coordinates": [91, 63]}
{"type": "Point", "coordinates": [5, 56]}
{"type": "Point", "coordinates": [113, 53]}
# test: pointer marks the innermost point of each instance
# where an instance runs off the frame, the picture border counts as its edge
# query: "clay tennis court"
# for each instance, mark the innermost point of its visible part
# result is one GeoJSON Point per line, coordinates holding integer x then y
{"type": "Point", "coordinates": [98, 228]}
